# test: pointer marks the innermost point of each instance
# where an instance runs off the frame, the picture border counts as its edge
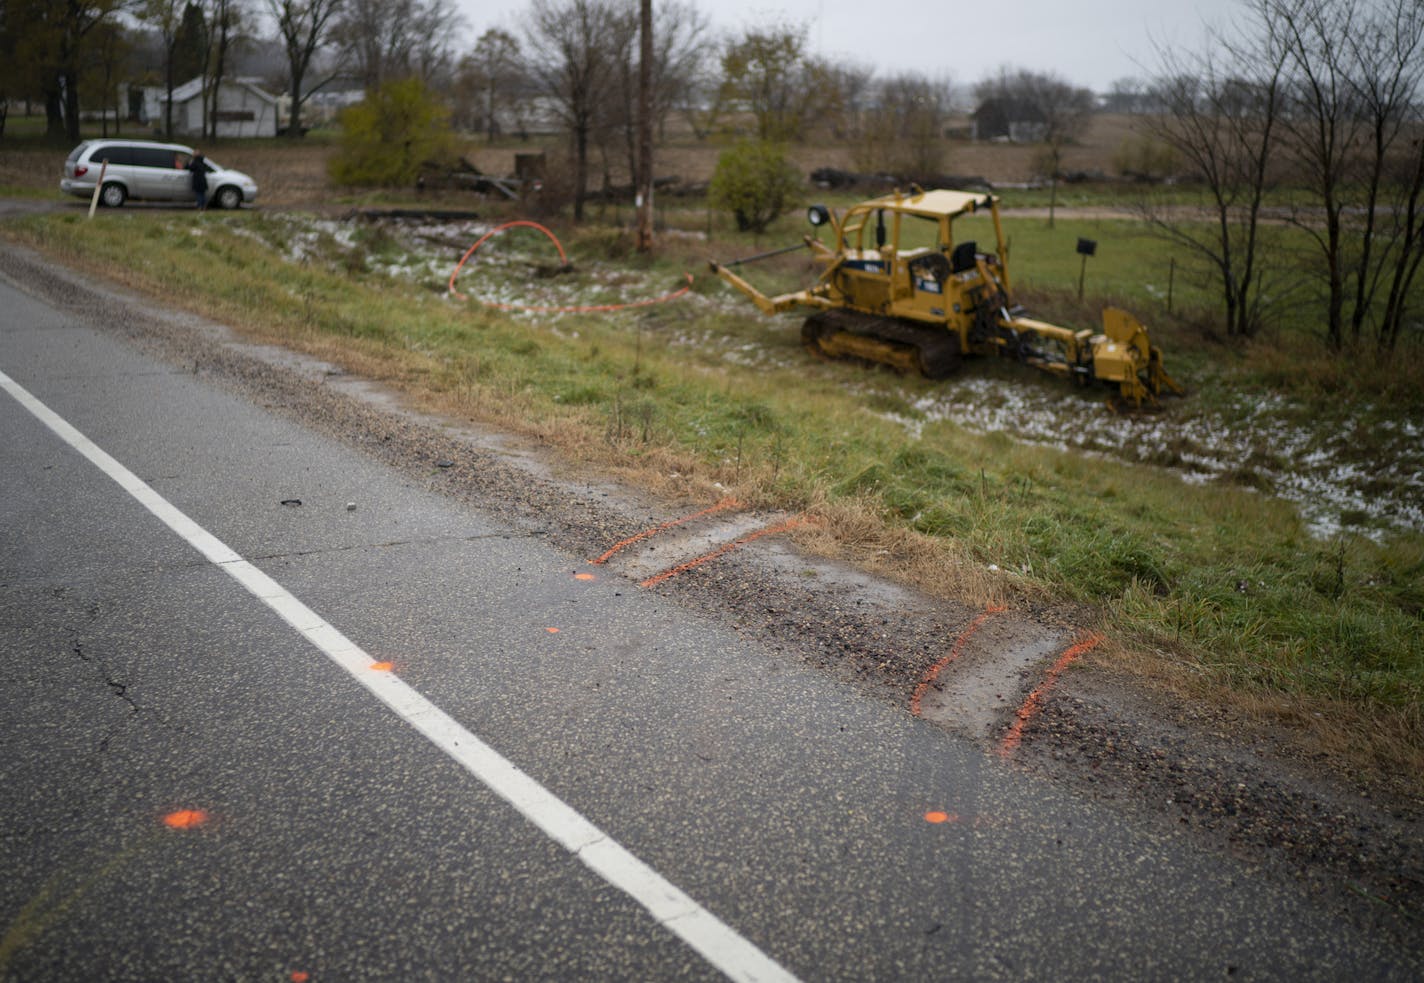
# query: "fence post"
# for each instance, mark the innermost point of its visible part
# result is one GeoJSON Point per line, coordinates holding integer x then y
{"type": "Point", "coordinates": [98, 187]}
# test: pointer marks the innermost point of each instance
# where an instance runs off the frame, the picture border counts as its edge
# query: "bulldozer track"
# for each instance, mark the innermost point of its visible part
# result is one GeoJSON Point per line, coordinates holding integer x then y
{"type": "Point", "coordinates": [934, 352]}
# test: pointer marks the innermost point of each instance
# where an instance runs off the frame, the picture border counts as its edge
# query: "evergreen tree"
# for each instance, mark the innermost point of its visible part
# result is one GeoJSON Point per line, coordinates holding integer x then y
{"type": "Point", "coordinates": [190, 45]}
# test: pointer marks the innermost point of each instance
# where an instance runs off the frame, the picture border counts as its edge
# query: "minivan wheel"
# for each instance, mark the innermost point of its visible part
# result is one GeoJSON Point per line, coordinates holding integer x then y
{"type": "Point", "coordinates": [228, 197]}
{"type": "Point", "coordinates": [113, 195]}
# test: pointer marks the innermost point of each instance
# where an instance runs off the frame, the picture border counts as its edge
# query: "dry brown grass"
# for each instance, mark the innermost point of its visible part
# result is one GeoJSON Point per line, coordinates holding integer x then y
{"type": "Point", "coordinates": [1378, 749]}
{"type": "Point", "coordinates": [1003, 163]}
{"type": "Point", "coordinates": [30, 167]}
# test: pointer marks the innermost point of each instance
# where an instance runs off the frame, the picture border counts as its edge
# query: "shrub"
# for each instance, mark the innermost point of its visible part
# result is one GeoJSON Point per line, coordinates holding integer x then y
{"type": "Point", "coordinates": [388, 136]}
{"type": "Point", "coordinates": [1144, 158]}
{"type": "Point", "coordinates": [756, 183]}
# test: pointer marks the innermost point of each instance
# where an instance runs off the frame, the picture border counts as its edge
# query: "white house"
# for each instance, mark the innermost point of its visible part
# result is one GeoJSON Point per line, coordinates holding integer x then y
{"type": "Point", "coordinates": [244, 109]}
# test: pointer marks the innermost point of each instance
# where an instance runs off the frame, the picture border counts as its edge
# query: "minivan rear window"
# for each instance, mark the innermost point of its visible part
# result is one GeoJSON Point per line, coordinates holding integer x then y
{"type": "Point", "coordinates": [152, 157]}
{"type": "Point", "coordinates": [115, 154]}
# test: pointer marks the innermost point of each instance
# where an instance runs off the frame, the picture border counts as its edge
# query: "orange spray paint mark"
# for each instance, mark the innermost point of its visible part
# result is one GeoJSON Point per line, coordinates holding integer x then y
{"type": "Point", "coordinates": [1034, 703]}
{"type": "Point", "coordinates": [300, 977]}
{"type": "Point", "coordinates": [930, 676]}
{"type": "Point", "coordinates": [185, 819]}
{"type": "Point", "coordinates": [584, 576]}
{"type": "Point", "coordinates": [940, 817]}
{"type": "Point", "coordinates": [552, 631]}
{"type": "Point", "coordinates": [723, 550]}
{"type": "Point", "coordinates": [380, 667]}
{"type": "Point", "coordinates": [722, 506]}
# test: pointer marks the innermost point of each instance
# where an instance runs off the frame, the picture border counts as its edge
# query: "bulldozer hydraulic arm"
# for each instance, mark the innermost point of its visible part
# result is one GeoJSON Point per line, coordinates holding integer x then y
{"type": "Point", "coordinates": [784, 302]}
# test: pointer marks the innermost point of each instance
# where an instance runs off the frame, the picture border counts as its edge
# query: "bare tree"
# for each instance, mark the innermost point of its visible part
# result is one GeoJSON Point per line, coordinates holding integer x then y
{"type": "Point", "coordinates": [615, 130]}
{"type": "Point", "coordinates": [165, 17]}
{"type": "Point", "coordinates": [701, 103]}
{"type": "Point", "coordinates": [304, 27]}
{"type": "Point", "coordinates": [578, 42]}
{"type": "Point", "coordinates": [110, 58]}
{"type": "Point", "coordinates": [904, 135]}
{"type": "Point", "coordinates": [679, 56]}
{"type": "Point", "coordinates": [491, 73]}
{"type": "Point", "coordinates": [390, 39]}
{"type": "Point", "coordinates": [1408, 247]}
{"type": "Point", "coordinates": [225, 19]}
{"type": "Point", "coordinates": [643, 177]}
{"type": "Point", "coordinates": [1322, 128]}
{"type": "Point", "coordinates": [1355, 72]}
{"type": "Point", "coordinates": [437, 24]}
{"type": "Point", "coordinates": [677, 32]}
{"type": "Point", "coordinates": [43, 43]}
{"type": "Point", "coordinates": [1127, 95]}
{"type": "Point", "coordinates": [1057, 110]}
{"type": "Point", "coordinates": [1219, 114]}
{"type": "Point", "coordinates": [372, 35]}
{"type": "Point", "coordinates": [764, 72]}
{"type": "Point", "coordinates": [848, 90]}
{"type": "Point", "coordinates": [1390, 64]}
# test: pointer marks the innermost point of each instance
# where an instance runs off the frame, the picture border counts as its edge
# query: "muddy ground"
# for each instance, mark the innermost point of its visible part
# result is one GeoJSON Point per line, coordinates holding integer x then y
{"type": "Point", "coordinates": [1235, 786]}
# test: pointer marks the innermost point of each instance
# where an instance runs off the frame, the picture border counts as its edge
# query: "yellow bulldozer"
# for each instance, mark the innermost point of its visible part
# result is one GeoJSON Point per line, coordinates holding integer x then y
{"type": "Point", "coordinates": [898, 289]}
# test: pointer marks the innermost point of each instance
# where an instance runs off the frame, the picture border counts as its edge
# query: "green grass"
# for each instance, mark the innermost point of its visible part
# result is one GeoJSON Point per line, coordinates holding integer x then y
{"type": "Point", "coordinates": [1218, 583]}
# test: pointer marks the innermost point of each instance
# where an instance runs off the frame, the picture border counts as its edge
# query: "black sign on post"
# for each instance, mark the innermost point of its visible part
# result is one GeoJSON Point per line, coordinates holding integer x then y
{"type": "Point", "coordinates": [1086, 248]}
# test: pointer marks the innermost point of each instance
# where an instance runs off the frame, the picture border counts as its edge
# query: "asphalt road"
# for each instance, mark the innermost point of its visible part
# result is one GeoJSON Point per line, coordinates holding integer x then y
{"type": "Point", "coordinates": [348, 817]}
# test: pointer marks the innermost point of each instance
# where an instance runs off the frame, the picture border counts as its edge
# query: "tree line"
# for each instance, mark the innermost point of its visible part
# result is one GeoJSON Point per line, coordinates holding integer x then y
{"type": "Point", "coordinates": [1307, 114]}
{"type": "Point", "coordinates": [574, 59]}
{"type": "Point", "coordinates": [1304, 113]}
{"type": "Point", "coordinates": [63, 54]}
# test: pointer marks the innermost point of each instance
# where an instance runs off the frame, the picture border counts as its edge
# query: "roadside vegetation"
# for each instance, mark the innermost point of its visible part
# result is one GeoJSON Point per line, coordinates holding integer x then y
{"type": "Point", "coordinates": [997, 485]}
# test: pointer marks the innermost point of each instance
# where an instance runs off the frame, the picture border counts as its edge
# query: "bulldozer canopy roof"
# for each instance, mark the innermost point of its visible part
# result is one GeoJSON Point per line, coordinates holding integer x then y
{"type": "Point", "coordinates": [935, 203]}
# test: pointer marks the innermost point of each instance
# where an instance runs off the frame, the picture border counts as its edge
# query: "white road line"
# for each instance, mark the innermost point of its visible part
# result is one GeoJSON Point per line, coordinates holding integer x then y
{"type": "Point", "coordinates": [717, 942]}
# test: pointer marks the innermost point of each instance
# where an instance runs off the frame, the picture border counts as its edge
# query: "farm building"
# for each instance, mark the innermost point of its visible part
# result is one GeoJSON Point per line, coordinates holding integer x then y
{"type": "Point", "coordinates": [244, 109]}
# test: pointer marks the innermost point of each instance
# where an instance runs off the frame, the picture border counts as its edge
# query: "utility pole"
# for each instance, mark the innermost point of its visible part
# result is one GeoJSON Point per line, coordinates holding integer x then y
{"type": "Point", "coordinates": [645, 130]}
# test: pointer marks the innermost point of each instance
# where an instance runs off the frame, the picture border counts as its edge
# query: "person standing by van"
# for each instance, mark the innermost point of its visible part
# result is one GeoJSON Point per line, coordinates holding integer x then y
{"type": "Point", "coordinates": [199, 168]}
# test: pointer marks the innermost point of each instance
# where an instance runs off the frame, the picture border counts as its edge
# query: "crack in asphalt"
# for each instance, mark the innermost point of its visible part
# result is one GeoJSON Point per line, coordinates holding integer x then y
{"type": "Point", "coordinates": [120, 689]}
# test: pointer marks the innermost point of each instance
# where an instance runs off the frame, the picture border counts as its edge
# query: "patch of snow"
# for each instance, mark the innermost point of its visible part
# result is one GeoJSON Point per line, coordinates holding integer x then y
{"type": "Point", "coordinates": [1256, 440]}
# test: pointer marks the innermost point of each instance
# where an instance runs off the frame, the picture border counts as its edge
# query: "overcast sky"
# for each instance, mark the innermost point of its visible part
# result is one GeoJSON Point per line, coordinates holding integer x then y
{"type": "Point", "coordinates": [1089, 42]}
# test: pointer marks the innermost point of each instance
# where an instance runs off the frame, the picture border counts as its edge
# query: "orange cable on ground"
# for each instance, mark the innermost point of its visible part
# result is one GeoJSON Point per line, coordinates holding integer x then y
{"type": "Point", "coordinates": [928, 680]}
{"type": "Point", "coordinates": [1034, 703]}
{"type": "Point", "coordinates": [573, 309]}
{"type": "Point", "coordinates": [723, 505]}
{"type": "Point", "coordinates": [723, 550]}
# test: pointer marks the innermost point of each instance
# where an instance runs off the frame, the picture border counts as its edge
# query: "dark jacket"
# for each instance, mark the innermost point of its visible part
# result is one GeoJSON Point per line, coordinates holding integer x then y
{"type": "Point", "coordinates": [199, 168]}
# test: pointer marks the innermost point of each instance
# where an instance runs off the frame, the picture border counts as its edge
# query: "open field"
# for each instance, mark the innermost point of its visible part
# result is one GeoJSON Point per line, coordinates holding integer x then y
{"type": "Point", "coordinates": [1259, 541]}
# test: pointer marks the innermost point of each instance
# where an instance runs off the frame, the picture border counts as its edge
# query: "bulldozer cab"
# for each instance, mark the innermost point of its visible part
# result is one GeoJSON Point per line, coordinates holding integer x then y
{"type": "Point", "coordinates": [897, 254]}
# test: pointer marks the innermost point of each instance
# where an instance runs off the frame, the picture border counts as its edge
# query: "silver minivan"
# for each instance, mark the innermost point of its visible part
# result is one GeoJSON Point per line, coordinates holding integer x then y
{"type": "Point", "coordinates": [148, 171]}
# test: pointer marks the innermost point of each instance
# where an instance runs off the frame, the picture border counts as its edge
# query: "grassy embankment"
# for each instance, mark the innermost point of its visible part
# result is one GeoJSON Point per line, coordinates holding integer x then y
{"type": "Point", "coordinates": [1215, 590]}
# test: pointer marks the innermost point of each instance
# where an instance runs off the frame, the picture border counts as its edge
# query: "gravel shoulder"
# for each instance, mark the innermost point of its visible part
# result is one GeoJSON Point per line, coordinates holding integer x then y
{"type": "Point", "coordinates": [1201, 770]}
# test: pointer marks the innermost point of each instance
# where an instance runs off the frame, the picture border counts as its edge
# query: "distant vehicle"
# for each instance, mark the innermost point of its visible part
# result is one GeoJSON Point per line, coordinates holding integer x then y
{"type": "Point", "coordinates": [148, 171]}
